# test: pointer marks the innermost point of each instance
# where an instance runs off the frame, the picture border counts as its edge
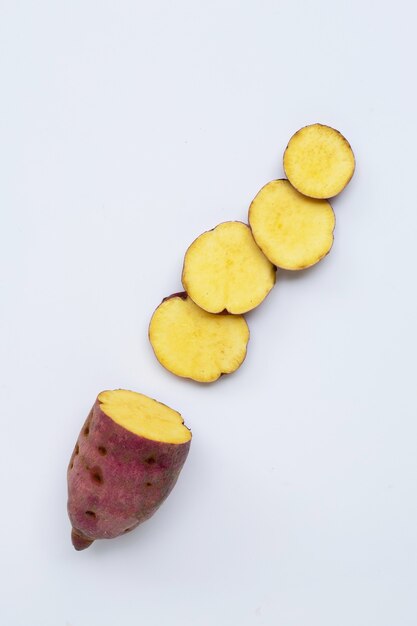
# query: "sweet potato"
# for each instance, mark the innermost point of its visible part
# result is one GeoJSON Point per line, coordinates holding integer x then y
{"type": "Point", "coordinates": [225, 271]}
{"type": "Point", "coordinates": [319, 161]}
{"type": "Point", "coordinates": [192, 343]}
{"type": "Point", "coordinates": [126, 461]}
{"type": "Point", "coordinates": [292, 230]}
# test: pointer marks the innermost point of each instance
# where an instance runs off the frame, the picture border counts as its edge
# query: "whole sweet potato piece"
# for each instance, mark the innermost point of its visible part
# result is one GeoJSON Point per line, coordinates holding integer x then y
{"type": "Point", "coordinates": [125, 463]}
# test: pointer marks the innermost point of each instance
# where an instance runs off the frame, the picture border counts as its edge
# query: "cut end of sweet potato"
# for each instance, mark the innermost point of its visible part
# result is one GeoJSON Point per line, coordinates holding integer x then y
{"type": "Point", "coordinates": [80, 541]}
{"type": "Point", "coordinates": [193, 343]}
{"type": "Point", "coordinates": [144, 416]}
{"type": "Point", "coordinates": [224, 270]}
{"type": "Point", "coordinates": [319, 161]}
{"type": "Point", "coordinates": [292, 230]}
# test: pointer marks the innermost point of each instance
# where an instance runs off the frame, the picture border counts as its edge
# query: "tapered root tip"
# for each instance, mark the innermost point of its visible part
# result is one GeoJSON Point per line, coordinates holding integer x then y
{"type": "Point", "coordinates": [79, 541]}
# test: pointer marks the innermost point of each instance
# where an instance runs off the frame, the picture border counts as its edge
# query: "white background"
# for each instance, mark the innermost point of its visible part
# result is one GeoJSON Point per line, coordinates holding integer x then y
{"type": "Point", "coordinates": [127, 129]}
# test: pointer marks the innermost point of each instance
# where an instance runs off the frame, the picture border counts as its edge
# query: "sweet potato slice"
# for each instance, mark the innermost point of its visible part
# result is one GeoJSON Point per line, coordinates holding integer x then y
{"type": "Point", "coordinates": [319, 161]}
{"type": "Point", "coordinates": [224, 270]}
{"type": "Point", "coordinates": [127, 459]}
{"type": "Point", "coordinates": [193, 343]}
{"type": "Point", "coordinates": [293, 231]}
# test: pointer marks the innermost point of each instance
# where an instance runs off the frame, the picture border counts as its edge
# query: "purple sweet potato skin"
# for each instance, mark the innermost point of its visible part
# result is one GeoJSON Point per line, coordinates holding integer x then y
{"type": "Point", "coordinates": [116, 479]}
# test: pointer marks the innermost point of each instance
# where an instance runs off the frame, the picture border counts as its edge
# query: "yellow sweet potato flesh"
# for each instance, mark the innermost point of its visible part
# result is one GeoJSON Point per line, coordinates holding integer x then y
{"type": "Point", "coordinates": [293, 231]}
{"type": "Point", "coordinates": [319, 161]}
{"type": "Point", "coordinates": [193, 343]}
{"type": "Point", "coordinates": [144, 416]}
{"type": "Point", "coordinates": [224, 270]}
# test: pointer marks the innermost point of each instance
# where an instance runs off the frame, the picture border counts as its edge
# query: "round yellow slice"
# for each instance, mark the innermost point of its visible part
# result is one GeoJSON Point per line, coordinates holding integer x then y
{"type": "Point", "coordinates": [319, 161]}
{"type": "Point", "coordinates": [293, 231]}
{"type": "Point", "coordinates": [224, 270]}
{"type": "Point", "coordinates": [192, 343]}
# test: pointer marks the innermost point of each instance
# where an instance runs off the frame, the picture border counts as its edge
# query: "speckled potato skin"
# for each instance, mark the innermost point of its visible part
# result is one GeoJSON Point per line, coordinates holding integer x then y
{"type": "Point", "coordinates": [116, 479]}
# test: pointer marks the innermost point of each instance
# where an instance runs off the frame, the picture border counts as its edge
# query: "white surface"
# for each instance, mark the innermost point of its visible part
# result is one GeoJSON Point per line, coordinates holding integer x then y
{"type": "Point", "coordinates": [127, 129]}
